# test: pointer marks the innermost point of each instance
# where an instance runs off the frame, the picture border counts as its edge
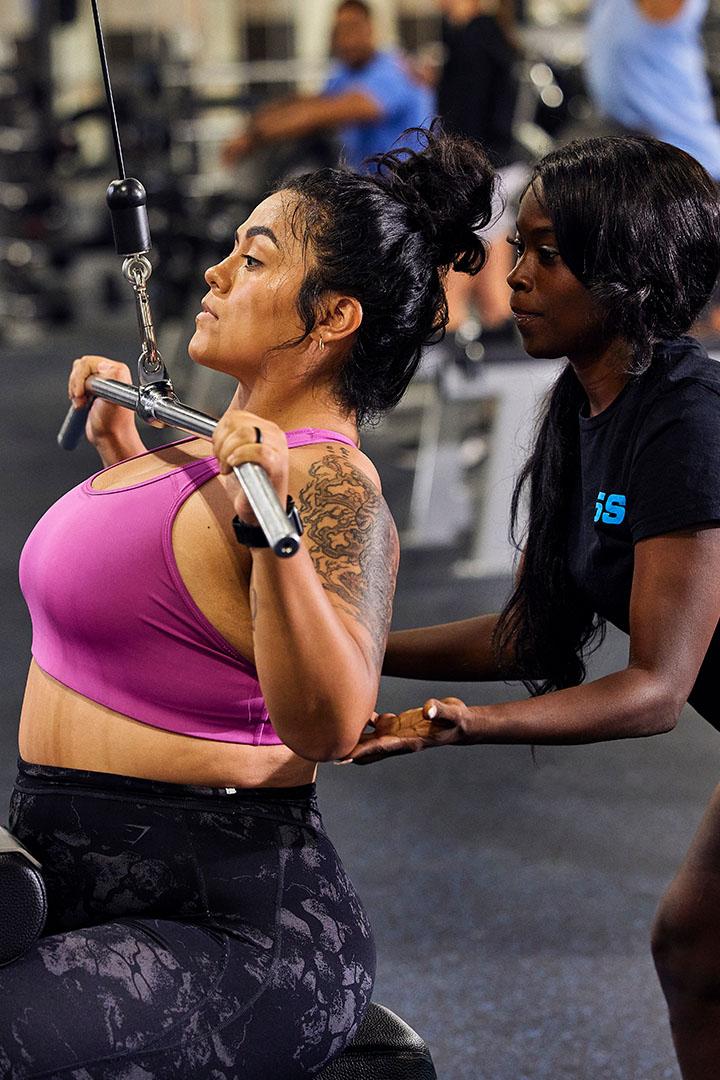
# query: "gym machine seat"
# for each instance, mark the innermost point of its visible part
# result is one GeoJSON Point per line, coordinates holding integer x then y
{"type": "Point", "coordinates": [385, 1048]}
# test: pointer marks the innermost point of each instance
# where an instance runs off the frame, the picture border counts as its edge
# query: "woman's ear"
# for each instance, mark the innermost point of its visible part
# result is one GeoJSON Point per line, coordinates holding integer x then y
{"type": "Point", "coordinates": [342, 318]}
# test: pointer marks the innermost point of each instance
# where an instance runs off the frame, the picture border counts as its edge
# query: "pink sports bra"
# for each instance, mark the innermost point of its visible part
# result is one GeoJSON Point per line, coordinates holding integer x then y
{"type": "Point", "coordinates": [113, 620]}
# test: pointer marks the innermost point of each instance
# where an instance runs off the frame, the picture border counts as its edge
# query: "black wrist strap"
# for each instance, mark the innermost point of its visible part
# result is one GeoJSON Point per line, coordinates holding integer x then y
{"type": "Point", "coordinates": [253, 536]}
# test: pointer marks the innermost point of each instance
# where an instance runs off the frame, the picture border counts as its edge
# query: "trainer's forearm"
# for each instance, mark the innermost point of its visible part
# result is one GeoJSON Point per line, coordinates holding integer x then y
{"type": "Point", "coordinates": [628, 704]}
{"type": "Point", "coordinates": [458, 650]}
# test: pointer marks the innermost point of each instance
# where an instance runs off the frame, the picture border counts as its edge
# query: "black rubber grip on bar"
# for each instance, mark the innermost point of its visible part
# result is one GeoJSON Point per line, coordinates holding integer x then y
{"type": "Point", "coordinates": [73, 427]}
{"type": "Point", "coordinates": [127, 200]}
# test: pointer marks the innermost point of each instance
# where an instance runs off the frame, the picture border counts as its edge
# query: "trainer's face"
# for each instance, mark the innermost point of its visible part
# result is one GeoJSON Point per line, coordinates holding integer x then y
{"type": "Point", "coordinates": [554, 312]}
{"type": "Point", "coordinates": [250, 308]}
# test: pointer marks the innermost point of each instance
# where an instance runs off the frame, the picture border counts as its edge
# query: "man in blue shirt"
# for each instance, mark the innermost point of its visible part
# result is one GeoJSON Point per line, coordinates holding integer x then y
{"type": "Point", "coordinates": [646, 70]}
{"type": "Point", "coordinates": [369, 99]}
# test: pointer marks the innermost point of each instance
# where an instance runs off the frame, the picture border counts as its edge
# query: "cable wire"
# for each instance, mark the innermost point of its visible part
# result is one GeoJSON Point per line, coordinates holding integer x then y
{"type": "Point", "coordinates": [108, 88]}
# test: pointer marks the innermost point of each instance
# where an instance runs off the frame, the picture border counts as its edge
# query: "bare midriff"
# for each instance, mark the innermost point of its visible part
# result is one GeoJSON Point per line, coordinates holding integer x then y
{"type": "Point", "coordinates": [63, 728]}
{"type": "Point", "coordinates": [60, 727]}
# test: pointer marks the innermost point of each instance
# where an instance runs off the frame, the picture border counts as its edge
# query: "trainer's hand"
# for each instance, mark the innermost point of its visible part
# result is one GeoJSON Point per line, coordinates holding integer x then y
{"type": "Point", "coordinates": [437, 723]}
{"type": "Point", "coordinates": [109, 427]}
{"type": "Point", "coordinates": [235, 441]}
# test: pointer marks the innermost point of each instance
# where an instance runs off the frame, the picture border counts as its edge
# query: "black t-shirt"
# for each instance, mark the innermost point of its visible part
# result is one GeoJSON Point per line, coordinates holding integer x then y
{"type": "Point", "coordinates": [478, 85]}
{"type": "Point", "coordinates": [649, 464]}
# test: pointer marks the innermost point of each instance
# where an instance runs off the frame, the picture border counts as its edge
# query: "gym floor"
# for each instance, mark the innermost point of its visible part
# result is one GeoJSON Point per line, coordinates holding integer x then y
{"type": "Point", "coordinates": [512, 898]}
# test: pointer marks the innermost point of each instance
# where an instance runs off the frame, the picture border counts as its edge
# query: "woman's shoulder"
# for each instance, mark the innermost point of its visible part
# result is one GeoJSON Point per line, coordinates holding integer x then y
{"type": "Point", "coordinates": [337, 490]}
{"type": "Point", "coordinates": [330, 458]}
{"type": "Point", "coordinates": [676, 402]}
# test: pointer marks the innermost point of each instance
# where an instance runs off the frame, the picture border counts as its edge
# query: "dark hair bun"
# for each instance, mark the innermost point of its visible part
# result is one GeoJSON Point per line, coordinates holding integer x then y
{"type": "Point", "coordinates": [388, 238]}
{"type": "Point", "coordinates": [446, 189]}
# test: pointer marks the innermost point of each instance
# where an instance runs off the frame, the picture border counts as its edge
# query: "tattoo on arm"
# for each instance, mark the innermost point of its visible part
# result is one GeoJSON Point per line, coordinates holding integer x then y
{"type": "Point", "coordinates": [353, 542]}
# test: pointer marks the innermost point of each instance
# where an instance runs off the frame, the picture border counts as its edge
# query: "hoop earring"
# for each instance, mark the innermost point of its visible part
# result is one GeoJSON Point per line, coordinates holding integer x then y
{"type": "Point", "coordinates": [322, 344]}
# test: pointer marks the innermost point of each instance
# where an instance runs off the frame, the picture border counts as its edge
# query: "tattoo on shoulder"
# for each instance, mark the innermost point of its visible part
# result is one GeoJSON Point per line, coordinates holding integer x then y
{"type": "Point", "coordinates": [353, 541]}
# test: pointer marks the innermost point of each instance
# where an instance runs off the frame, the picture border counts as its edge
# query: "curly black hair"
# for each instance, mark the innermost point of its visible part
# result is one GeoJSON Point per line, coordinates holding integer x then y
{"type": "Point", "coordinates": [388, 238]}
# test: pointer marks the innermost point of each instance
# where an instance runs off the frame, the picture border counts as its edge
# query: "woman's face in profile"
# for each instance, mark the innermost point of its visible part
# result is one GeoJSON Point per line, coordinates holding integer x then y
{"type": "Point", "coordinates": [250, 307]}
{"type": "Point", "coordinates": [554, 312]}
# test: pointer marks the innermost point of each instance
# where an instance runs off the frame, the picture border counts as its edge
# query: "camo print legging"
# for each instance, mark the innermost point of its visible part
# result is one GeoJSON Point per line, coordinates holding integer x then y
{"type": "Point", "coordinates": [193, 933]}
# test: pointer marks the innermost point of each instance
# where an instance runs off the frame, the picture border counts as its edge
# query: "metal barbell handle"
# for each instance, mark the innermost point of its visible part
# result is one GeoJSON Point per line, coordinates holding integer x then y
{"type": "Point", "coordinates": [253, 479]}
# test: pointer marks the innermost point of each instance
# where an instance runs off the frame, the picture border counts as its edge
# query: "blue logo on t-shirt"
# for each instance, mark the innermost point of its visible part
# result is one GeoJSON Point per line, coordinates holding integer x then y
{"type": "Point", "coordinates": [610, 509]}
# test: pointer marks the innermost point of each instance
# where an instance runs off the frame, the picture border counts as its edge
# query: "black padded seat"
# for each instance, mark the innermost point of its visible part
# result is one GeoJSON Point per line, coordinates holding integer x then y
{"type": "Point", "coordinates": [385, 1048]}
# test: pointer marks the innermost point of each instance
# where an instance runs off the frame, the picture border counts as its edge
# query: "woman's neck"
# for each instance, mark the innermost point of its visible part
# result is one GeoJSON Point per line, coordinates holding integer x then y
{"type": "Point", "coordinates": [295, 410]}
{"type": "Point", "coordinates": [603, 376]}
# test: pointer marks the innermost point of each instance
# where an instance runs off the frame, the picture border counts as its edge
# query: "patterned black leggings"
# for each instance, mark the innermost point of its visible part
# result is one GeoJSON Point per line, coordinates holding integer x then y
{"type": "Point", "coordinates": [193, 933]}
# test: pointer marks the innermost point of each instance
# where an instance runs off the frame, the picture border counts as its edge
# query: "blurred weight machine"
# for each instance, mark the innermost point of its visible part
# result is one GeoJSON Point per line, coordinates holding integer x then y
{"type": "Point", "coordinates": [33, 215]}
{"type": "Point", "coordinates": [57, 262]}
{"type": "Point", "coordinates": [53, 169]}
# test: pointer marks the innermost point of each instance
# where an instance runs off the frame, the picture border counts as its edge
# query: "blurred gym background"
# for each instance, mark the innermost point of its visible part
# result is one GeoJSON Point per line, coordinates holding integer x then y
{"type": "Point", "coordinates": [512, 895]}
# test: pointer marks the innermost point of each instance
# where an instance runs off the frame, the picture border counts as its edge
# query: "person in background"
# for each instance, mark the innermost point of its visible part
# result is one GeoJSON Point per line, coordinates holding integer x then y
{"type": "Point", "coordinates": [477, 94]}
{"type": "Point", "coordinates": [646, 71]}
{"type": "Point", "coordinates": [369, 100]}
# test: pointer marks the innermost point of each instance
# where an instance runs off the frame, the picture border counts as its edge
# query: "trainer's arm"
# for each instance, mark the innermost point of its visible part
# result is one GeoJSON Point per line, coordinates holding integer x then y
{"type": "Point", "coordinates": [674, 611]}
{"type": "Point", "coordinates": [461, 650]}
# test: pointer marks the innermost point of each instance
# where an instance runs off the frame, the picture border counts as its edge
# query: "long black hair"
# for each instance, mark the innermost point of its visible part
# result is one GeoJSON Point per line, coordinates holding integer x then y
{"type": "Point", "coordinates": [637, 221]}
{"type": "Point", "coordinates": [388, 239]}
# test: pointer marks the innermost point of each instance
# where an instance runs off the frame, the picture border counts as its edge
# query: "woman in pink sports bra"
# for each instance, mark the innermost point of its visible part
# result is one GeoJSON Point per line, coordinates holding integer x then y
{"type": "Point", "coordinates": [185, 682]}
